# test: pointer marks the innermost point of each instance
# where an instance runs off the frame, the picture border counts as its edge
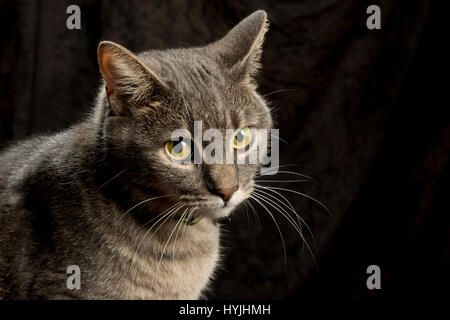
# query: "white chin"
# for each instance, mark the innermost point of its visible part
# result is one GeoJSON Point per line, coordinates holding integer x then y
{"type": "Point", "coordinates": [217, 210]}
{"type": "Point", "coordinates": [218, 213]}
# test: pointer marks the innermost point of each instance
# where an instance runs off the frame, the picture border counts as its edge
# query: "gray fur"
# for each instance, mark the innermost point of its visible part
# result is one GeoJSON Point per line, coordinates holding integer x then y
{"type": "Point", "coordinates": [65, 198]}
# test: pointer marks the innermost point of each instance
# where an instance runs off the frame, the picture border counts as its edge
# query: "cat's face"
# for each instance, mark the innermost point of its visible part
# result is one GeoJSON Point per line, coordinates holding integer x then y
{"type": "Point", "coordinates": [164, 104]}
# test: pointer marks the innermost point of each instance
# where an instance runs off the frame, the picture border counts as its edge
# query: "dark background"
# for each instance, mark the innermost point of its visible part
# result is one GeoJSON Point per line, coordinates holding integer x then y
{"type": "Point", "coordinates": [364, 112]}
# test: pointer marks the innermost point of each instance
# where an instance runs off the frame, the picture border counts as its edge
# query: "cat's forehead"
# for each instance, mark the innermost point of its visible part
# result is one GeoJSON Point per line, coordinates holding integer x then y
{"type": "Point", "coordinates": [202, 89]}
{"type": "Point", "coordinates": [188, 69]}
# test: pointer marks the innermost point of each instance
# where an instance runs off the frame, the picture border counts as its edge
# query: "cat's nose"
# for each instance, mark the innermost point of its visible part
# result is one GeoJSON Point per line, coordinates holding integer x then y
{"type": "Point", "coordinates": [226, 194]}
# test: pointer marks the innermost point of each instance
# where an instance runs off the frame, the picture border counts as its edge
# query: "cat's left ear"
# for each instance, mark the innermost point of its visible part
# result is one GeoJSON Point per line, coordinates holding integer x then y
{"type": "Point", "coordinates": [129, 83]}
{"type": "Point", "coordinates": [241, 48]}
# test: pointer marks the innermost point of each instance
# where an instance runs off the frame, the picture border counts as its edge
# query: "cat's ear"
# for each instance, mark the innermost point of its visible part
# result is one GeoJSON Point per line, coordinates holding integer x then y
{"type": "Point", "coordinates": [129, 84]}
{"type": "Point", "coordinates": [241, 48]}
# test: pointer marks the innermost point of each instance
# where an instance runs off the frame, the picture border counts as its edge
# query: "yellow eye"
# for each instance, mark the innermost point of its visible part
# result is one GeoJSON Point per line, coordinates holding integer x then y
{"type": "Point", "coordinates": [242, 138]}
{"type": "Point", "coordinates": [178, 150]}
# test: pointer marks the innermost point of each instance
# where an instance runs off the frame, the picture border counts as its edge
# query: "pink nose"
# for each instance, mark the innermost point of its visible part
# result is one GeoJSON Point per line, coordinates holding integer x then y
{"type": "Point", "coordinates": [226, 194]}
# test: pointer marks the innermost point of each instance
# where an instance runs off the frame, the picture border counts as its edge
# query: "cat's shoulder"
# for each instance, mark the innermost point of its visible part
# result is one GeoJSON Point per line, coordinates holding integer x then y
{"type": "Point", "coordinates": [22, 158]}
{"type": "Point", "coordinates": [15, 156]}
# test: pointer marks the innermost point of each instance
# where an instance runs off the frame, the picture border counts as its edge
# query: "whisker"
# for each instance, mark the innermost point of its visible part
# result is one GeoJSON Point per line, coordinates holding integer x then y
{"type": "Point", "coordinates": [253, 210]}
{"type": "Point", "coordinates": [282, 140]}
{"type": "Point", "coordinates": [152, 219]}
{"type": "Point", "coordinates": [287, 205]}
{"type": "Point", "coordinates": [189, 216]}
{"type": "Point", "coordinates": [290, 206]}
{"type": "Point", "coordinates": [168, 240]}
{"type": "Point", "coordinates": [276, 224]}
{"type": "Point", "coordinates": [166, 216]}
{"type": "Point", "coordinates": [159, 215]}
{"type": "Point", "coordinates": [289, 165]}
{"type": "Point", "coordinates": [117, 175]}
{"type": "Point", "coordinates": [150, 199]}
{"type": "Point", "coordinates": [279, 209]}
{"type": "Point", "coordinates": [274, 205]}
{"type": "Point", "coordinates": [185, 213]}
{"type": "Point", "coordinates": [286, 172]}
{"type": "Point", "coordinates": [278, 91]}
{"type": "Point", "coordinates": [302, 180]}
{"type": "Point", "coordinates": [139, 178]}
{"type": "Point", "coordinates": [291, 221]}
{"type": "Point", "coordinates": [247, 214]}
{"type": "Point", "coordinates": [305, 195]}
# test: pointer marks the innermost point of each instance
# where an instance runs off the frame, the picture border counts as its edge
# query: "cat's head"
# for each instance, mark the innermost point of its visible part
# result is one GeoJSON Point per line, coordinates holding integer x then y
{"type": "Point", "coordinates": [153, 94]}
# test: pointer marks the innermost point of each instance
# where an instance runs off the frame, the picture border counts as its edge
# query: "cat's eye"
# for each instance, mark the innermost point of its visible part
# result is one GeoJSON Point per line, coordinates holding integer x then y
{"type": "Point", "coordinates": [178, 150]}
{"type": "Point", "coordinates": [243, 138]}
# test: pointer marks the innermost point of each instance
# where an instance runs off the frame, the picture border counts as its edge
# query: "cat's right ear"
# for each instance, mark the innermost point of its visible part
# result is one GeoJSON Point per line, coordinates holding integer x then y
{"type": "Point", "coordinates": [129, 84]}
{"type": "Point", "coordinates": [241, 48]}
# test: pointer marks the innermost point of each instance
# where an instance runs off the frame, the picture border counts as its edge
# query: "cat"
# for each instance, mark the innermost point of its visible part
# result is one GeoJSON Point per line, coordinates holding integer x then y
{"type": "Point", "coordinates": [108, 194]}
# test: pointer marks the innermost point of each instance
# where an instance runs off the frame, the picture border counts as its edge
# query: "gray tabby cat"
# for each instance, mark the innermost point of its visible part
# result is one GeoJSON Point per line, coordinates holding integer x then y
{"type": "Point", "coordinates": [107, 194]}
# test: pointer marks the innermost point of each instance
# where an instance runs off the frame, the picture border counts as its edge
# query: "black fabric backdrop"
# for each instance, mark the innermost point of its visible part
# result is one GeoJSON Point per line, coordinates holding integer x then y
{"type": "Point", "coordinates": [363, 112]}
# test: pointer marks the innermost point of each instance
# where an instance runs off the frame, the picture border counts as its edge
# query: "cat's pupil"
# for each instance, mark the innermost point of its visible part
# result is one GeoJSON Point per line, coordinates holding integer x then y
{"type": "Point", "coordinates": [177, 147]}
{"type": "Point", "coordinates": [240, 136]}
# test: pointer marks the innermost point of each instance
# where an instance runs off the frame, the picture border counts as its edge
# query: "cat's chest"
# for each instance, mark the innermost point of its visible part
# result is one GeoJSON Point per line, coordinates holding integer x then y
{"type": "Point", "coordinates": [173, 280]}
{"type": "Point", "coordinates": [171, 276]}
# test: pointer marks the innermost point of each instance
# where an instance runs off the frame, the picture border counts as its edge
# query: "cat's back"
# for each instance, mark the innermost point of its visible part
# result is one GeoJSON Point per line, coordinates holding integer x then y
{"type": "Point", "coordinates": [18, 156]}
{"type": "Point", "coordinates": [43, 153]}
{"type": "Point", "coordinates": [27, 165]}
{"type": "Point", "coordinates": [29, 175]}
{"type": "Point", "coordinates": [15, 166]}
{"type": "Point", "coordinates": [20, 164]}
